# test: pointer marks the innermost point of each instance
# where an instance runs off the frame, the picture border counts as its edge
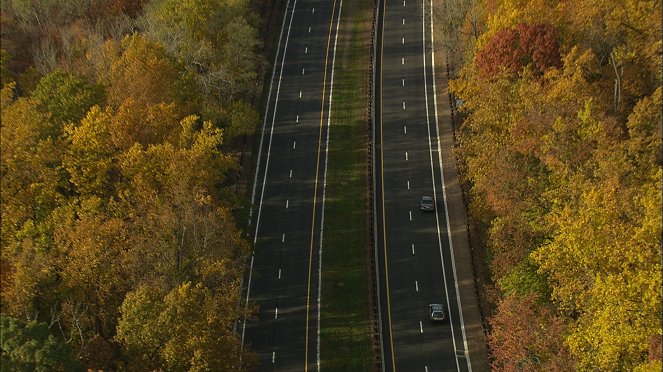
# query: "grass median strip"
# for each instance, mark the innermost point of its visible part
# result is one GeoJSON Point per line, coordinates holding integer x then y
{"type": "Point", "coordinates": [346, 332]}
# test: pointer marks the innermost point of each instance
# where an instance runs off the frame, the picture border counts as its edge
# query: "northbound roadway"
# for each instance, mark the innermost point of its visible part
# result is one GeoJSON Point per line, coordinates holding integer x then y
{"type": "Point", "coordinates": [413, 247]}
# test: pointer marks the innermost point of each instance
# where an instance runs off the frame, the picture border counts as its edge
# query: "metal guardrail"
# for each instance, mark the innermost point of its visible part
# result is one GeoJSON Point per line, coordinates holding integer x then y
{"type": "Point", "coordinates": [374, 300]}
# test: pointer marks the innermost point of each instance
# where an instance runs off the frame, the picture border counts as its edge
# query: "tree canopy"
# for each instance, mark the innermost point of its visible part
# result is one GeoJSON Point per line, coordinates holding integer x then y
{"type": "Point", "coordinates": [562, 148]}
{"type": "Point", "coordinates": [115, 161]}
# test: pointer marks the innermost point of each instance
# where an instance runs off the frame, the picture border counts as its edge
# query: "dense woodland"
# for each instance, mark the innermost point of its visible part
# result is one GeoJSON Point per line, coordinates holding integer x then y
{"type": "Point", "coordinates": [120, 250]}
{"type": "Point", "coordinates": [119, 245]}
{"type": "Point", "coordinates": [561, 144]}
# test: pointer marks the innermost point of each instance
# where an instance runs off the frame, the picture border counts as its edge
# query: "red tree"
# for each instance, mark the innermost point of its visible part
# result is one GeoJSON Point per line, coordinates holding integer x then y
{"type": "Point", "coordinates": [512, 49]}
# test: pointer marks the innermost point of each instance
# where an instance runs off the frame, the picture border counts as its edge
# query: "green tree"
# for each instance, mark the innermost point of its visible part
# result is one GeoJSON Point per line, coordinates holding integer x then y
{"type": "Point", "coordinates": [243, 119]}
{"type": "Point", "coordinates": [32, 347]}
{"type": "Point", "coordinates": [66, 97]}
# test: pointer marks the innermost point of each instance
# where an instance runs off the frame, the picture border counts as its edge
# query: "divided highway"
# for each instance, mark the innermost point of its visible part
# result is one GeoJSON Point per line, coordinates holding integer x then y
{"type": "Point", "coordinates": [289, 192]}
{"type": "Point", "coordinates": [415, 261]}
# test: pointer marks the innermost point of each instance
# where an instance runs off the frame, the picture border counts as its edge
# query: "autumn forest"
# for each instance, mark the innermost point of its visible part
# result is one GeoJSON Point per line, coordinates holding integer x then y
{"type": "Point", "coordinates": [120, 249]}
{"type": "Point", "coordinates": [123, 234]}
{"type": "Point", "coordinates": [561, 145]}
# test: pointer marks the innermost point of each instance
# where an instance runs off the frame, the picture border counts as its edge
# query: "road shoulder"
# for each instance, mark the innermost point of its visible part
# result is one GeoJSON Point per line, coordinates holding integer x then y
{"type": "Point", "coordinates": [476, 337]}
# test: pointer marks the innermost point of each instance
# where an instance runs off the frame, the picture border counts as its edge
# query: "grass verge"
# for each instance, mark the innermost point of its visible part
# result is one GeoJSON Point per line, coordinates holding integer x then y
{"type": "Point", "coordinates": [345, 335]}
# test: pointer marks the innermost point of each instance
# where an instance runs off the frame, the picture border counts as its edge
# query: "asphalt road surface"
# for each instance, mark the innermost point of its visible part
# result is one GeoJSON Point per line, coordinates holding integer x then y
{"type": "Point", "coordinates": [287, 200]}
{"type": "Point", "coordinates": [414, 257]}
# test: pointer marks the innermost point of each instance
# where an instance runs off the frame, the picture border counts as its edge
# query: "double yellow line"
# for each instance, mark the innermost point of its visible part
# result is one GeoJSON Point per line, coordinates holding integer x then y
{"type": "Point", "coordinates": [315, 187]}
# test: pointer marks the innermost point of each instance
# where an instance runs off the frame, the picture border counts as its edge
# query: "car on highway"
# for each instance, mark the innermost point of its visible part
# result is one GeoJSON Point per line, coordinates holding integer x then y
{"type": "Point", "coordinates": [427, 204]}
{"type": "Point", "coordinates": [437, 313]}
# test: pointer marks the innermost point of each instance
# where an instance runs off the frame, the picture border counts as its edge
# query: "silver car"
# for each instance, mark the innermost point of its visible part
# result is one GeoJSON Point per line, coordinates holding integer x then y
{"type": "Point", "coordinates": [427, 204]}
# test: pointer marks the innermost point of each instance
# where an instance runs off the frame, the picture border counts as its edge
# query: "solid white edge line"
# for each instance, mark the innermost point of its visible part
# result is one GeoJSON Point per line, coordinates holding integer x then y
{"type": "Point", "coordinates": [264, 121]}
{"type": "Point", "coordinates": [444, 193]}
{"type": "Point", "coordinates": [430, 151]}
{"type": "Point", "coordinates": [248, 287]}
{"type": "Point", "coordinates": [324, 181]}
{"type": "Point", "coordinates": [269, 148]}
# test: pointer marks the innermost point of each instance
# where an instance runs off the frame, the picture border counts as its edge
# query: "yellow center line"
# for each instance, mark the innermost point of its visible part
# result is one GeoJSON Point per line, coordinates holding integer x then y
{"type": "Point", "coordinates": [384, 227]}
{"type": "Point", "coordinates": [315, 187]}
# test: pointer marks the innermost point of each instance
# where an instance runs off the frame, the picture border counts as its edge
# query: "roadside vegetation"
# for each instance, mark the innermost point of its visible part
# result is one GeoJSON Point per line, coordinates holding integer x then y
{"type": "Point", "coordinates": [119, 246]}
{"type": "Point", "coordinates": [346, 332]}
{"type": "Point", "coordinates": [561, 144]}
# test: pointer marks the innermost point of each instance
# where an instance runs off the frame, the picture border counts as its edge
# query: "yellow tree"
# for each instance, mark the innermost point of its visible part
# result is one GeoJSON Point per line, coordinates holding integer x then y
{"type": "Point", "coordinates": [605, 253]}
{"type": "Point", "coordinates": [89, 154]}
{"type": "Point", "coordinates": [190, 328]}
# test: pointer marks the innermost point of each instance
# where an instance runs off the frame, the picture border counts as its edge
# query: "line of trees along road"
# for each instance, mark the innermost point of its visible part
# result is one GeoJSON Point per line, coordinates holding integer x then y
{"type": "Point", "coordinates": [561, 144]}
{"type": "Point", "coordinates": [119, 245]}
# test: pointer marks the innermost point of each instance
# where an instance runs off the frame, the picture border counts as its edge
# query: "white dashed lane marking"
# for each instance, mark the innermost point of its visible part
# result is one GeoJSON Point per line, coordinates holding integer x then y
{"type": "Point", "coordinates": [276, 313]}
{"type": "Point", "coordinates": [421, 327]}
{"type": "Point", "coordinates": [408, 184]}
{"type": "Point", "coordinates": [416, 285]}
{"type": "Point", "coordinates": [405, 155]}
{"type": "Point", "coordinates": [279, 273]}
{"type": "Point", "coordinates": [412, 248]}
{"type": "Point", "coordinates": [287, 202]}
{"type": "Point", "coordinates": [290, 173]}
{"type": "Point", "coordinates": [294, 144]}
{"type": "Point", "coordinates": [410, 215]}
